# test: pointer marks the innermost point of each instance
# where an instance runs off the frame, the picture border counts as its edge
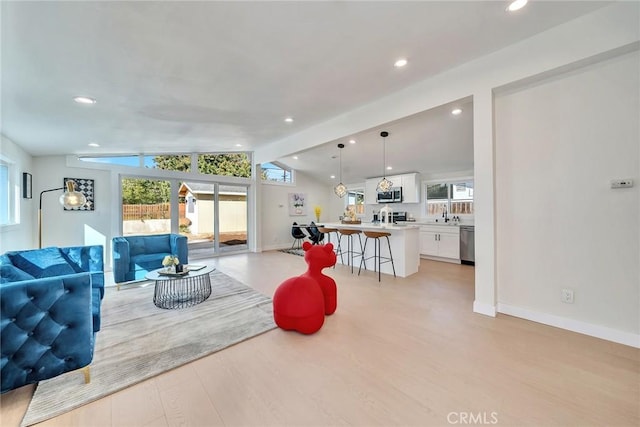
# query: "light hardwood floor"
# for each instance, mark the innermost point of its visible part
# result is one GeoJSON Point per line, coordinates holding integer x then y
{"type": "Point", "coordinates": [403, 352]}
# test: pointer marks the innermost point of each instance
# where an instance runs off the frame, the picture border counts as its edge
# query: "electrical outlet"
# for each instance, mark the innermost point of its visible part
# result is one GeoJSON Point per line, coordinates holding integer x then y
{"type": "Point", "coordinates": [567, 296]}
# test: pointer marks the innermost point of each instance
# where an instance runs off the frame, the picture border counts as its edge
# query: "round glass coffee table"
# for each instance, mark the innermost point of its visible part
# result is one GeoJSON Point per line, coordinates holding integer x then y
{"type": "Point", "coordinates": [175, 290]}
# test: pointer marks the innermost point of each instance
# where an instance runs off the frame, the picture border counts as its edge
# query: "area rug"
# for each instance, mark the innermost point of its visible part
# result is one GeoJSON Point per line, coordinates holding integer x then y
{"type": "Point", "coordinates": [299, 252]}
{"type": "Point", "coordinates": [138, 341]}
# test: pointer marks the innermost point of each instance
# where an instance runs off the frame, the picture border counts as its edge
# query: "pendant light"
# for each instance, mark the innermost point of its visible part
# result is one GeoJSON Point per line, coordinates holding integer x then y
{"type": "Point", "coordinates": [384, 184]}
{"type": "Point", "coordinates": [340, 189]}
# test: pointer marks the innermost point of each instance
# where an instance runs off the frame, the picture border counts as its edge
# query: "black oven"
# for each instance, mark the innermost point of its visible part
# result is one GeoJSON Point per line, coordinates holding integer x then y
{"type": "Point", "coordinates": [392, 196]}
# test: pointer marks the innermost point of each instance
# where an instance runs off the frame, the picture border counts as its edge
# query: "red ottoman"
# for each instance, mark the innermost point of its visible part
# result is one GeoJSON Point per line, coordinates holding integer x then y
{"type": "Point", "coordinates": [319, 257]}
{"type": "Point", "coordinates": [298, 305]}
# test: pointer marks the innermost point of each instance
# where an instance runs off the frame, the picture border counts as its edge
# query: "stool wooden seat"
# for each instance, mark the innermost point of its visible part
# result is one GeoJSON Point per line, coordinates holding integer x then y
{"type": "Point", "coordinates": [377, 252]}
{"type": "Point", "coordinates": [327, 231]}
{"type": "Point", "coordinates": [350, 252]}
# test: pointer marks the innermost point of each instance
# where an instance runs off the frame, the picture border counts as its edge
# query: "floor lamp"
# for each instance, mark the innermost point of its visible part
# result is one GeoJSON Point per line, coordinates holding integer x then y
{"type": "Point", "coordinates": [69, 199]}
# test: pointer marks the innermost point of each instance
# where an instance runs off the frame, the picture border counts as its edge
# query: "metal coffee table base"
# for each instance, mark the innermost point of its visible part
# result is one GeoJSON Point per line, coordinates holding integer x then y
{"type": "Point", "coordinates": [181, 292]}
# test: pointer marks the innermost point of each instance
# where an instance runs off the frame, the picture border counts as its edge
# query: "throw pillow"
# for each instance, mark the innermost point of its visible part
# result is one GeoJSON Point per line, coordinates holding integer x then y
{"type": "Point", "coordinates": [47, 262]}
{"type": "Point", "coordinates": [10, 273]}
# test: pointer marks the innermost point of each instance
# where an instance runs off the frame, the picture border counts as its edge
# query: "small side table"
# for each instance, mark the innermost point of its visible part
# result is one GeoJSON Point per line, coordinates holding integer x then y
{"type": "Point", "coordinates": [180, 291]}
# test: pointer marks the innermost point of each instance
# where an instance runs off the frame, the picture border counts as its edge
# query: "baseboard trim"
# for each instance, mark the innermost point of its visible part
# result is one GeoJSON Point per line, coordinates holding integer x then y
{"type": "Point", "coordinates": [486, 309]}
{"type": "Point", "coordinates": [437, 258]}
{"type": "Point", "coordinates": [597, 331]}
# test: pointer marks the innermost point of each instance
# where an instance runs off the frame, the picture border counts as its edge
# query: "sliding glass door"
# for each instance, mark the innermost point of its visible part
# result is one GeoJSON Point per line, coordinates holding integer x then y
{"type": "Point", "coordinates": [232, 214]}
{"type": "Point", "coordinates": [213, 217]}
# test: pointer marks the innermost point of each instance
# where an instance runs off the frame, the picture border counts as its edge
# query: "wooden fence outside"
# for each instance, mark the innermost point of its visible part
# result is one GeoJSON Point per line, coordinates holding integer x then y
{"type": "Point", "coordinates": [157, 211]}
{"type": "Point", "coordinates": [457, 208]}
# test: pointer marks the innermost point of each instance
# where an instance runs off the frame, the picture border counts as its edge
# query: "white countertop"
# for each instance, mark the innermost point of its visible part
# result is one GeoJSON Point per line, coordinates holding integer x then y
{"type": "Point", "coordinates": [374, 226]}
{"type": "Point", "coordinates": [439, 223]}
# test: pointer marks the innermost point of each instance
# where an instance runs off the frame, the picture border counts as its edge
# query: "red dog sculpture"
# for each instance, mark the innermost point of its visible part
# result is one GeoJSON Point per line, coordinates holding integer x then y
{"type": "Point", "coordinates": [300, 303]}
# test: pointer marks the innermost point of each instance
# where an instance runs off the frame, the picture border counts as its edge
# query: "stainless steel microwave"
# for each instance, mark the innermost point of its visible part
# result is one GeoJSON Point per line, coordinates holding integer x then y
{"type": "Point", "coordinates": [392, 196]}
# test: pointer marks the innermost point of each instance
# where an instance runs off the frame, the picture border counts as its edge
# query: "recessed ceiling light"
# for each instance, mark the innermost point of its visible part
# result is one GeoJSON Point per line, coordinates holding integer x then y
{"type": "Point", "coordinates": [238, 145]}
{"type": "Point", "coordinates": [295, 157]}
{"type": "Point", "coordinates": [84, 100]}
{"type": "Point", "coordinates": [389, 168]}
{"type": "Point", "coordinates": [288, 119]}
{"type": "Point", "coordinates": [333, 177]}
{"type": "Point", "coordinates": [94, 144]}
{"type": "Point", "coordinates": [400, 63]}
{"type": "Point", "coordinates": [352, 141]}
{"type": "Point", "coordinates": [456, 111]}
{"type": "Point", "coordinates": [516, 5]}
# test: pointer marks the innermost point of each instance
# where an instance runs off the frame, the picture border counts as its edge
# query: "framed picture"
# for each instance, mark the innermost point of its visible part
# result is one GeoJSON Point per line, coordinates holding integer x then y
{"type": "Point", "coordinates": [85, 186]}
{"type": "Point", "coordinates": [297, 204]}
{"type": "Point", "coordinates": [27, 185]}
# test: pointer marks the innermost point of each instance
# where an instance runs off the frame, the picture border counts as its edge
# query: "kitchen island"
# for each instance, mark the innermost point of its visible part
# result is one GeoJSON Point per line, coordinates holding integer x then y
{"type": "Point", "coordinates": [404, 240]}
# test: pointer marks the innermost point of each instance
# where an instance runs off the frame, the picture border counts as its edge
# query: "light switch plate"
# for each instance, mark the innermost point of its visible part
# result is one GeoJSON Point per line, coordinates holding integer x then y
{"type": "Point", "coordinates": [621, 183]}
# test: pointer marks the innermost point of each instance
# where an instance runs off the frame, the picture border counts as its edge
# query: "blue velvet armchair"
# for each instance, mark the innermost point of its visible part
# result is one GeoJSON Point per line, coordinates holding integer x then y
{"type": "Point", "coordinates": [135, 256]}
{"type": "Point", "coordinates": [49, 312]}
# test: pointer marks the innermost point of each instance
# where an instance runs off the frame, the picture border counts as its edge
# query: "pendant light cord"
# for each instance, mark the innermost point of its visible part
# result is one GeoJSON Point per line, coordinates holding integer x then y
{"type": "Point", "coordinates": [341, 165]}
{"type": "Point", "coordinates": [384, 157]}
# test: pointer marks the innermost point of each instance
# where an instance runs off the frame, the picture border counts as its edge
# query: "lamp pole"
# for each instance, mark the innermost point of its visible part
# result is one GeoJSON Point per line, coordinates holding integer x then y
{"type": "Point", "coordinates": [40, 215]}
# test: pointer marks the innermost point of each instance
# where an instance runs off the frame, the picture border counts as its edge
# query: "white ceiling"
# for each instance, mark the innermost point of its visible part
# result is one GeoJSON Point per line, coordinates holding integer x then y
{"type": "Point", "coordinates": [205, 76]}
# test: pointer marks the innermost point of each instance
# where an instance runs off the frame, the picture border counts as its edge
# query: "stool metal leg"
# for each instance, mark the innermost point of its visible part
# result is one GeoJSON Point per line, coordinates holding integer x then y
{"type": "Point", "coordinates": [363, 260]}
{"type": "Point", "coordinates": [377, 257]}
{"type": "Point", "coordinates": [361, 253]}
{"type": "Point", "coordinates": [391, 257]}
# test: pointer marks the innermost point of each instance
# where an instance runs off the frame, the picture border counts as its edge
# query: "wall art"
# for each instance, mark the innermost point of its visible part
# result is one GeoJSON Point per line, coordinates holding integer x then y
{"type": "Point", "coordinates": [297, 204]}
{"type": "Point", "coordinates": [27, 185]}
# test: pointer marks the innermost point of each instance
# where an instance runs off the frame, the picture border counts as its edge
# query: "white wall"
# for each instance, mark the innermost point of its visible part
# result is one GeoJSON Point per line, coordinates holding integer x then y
{"type": "Point", "coordinates": [21, 235]}
{"type": "Point", "coordinates": [273, 212]}
{"type": "Point", "coordinates": [604, 33]}
{"type": "Point", "coordinates": [559, 224]}
{"type": "Point", "coordinates": [71, 228]}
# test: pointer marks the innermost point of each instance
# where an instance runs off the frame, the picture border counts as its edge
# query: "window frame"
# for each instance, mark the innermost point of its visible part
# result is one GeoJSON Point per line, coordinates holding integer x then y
{"type": "Point", "coordinates": [346, 201]}
{"type": "Point", "coordinates": [13, 193]}
{"type": "Point", "coordinates": [449, 182]}
{"type": "Point", "coordinates": [282, 167]}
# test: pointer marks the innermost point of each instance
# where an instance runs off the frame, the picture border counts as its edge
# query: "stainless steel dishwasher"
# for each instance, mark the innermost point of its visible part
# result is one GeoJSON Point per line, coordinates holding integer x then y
{"type": "Point", "coordinates": [467, 245]}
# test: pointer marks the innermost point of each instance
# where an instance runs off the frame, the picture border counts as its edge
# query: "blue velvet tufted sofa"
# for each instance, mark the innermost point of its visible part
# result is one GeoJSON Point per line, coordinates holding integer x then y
{"type": "Point", "coordinates": [135, 256]}
{"type": "Point", "coordinates": [49, 312]}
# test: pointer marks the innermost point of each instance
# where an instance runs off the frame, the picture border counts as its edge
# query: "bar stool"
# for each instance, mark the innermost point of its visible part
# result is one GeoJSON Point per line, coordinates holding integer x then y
{"type": "Point", "coordinates": [377, 252]}
{"type": "Point", "coordinates": [327, 231]}
{"type": "Point", "coordinates": [350, 252]}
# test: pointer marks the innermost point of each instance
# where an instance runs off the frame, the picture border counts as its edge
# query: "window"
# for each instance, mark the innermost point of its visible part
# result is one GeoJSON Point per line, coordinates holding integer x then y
{"type": "Point", "coordinates": [355, 201]}
{"type": "Point", "coordinates": [180, 163]}
{"type": "Point", "coordinates": [5, 190]}
{"type": "Point", "coordinates": [145, 206]}
{"type": "Point", "coordinates": [115, 160]}
{"type": "Point", "coordinates": [456, 198]}
{"type": "Point", "coordinates": [226, 164]}
{"type": "Point", "coordinates": [9, 190]}
{"type": "Point", "coordinates": [276, 172]}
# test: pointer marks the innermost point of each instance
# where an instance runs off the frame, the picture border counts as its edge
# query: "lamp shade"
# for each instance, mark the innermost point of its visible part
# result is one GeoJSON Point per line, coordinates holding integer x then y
{"type": "Point", "coordinates": [384, 185]}
{"type": "Point", "coordinates": [71, 198]}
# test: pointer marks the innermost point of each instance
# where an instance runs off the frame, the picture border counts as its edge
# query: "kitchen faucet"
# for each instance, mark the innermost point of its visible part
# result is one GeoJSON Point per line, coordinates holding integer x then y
{"type": "Point", "coordinates": [444, 215]}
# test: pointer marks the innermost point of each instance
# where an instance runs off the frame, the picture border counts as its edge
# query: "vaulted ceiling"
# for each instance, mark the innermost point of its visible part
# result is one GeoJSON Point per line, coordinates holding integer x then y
{"type": "Point", "coordinates": [222, 76]}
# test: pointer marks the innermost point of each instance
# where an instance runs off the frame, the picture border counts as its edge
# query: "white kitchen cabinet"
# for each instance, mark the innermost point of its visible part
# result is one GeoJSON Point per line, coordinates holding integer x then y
{"type": "Point", "coordinates": [441, 241]}
{"type": "Point", "coordinates": [370, 193]}
{"type": "Point", "coordinates": [410, 184]}
{"type": "Point", "coordinates": [410, 188]}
